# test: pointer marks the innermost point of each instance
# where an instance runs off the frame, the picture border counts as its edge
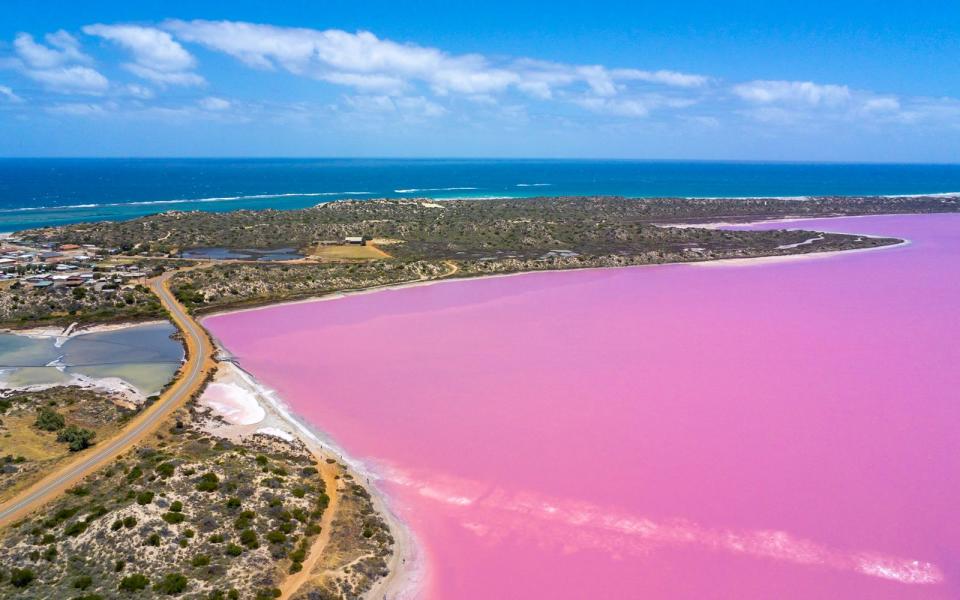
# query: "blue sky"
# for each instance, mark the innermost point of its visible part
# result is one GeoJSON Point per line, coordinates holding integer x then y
{"type": "Point", "coordinates": [838, 81]}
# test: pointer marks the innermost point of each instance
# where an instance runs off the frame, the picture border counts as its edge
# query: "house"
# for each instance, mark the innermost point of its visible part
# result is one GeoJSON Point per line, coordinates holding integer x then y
{"type": "Point", "coordinates": [66, 267]}
{"type": "Point", "coordinates": [356, 240]}
{"type": "Point", "coordinates": [69, 247]}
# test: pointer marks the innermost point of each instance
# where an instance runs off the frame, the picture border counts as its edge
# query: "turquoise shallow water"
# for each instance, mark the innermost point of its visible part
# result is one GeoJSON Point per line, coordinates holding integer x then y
{"type": "Point", "coordinates": [143, 355]}
{"type": "Point", "coordinates": [38, 192]}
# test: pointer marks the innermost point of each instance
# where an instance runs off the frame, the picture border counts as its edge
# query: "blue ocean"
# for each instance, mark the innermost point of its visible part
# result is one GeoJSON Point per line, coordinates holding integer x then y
{"type": "Point", "coordinates": [39, 192]}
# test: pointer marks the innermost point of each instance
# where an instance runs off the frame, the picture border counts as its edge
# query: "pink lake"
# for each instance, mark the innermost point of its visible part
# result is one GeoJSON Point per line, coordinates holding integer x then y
{"type": "Point", "coordinates": [784, 430]}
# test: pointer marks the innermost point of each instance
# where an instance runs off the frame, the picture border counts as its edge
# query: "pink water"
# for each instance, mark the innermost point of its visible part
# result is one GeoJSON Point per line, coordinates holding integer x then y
{"type": "Point", "coordinates": [790, 430]}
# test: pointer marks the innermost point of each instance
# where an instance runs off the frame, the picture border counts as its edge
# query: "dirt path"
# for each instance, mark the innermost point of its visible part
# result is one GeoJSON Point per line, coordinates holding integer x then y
{"type": "Point", "coordinates": [454, 267]}
{"type": "Point", "coordinates": [190, 378]}
{"type": "Point", "coordinates": [296, 581]}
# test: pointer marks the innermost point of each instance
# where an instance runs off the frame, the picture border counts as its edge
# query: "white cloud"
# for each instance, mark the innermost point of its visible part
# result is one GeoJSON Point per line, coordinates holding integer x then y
{"type": "Point", "coordinates": [64, 49]}
{"type": "Point", "coordinates": [881, 105]}
{"type": "Point", "coordinates": [157, 56]}
{"type": "Point", "coordinates": [366, 62]}
{"type": "Point", "coordinates": [71, 80]}
{"type": "Point", "coordinates": [59, 66]}
{"type": "Point", "coordinates": [664, 77]}
{"type": "Point", "coordinates": [792, 92]}
{"type": "Point", "coordinates": [406, 107]}
{"type": "Point", "coordinates": [623, 108]}
{"type": "Point", "coordinates": [164, 77]}
{"type": "Point", "coordinates": [7, 94]}
{"type": "Point", "coordinates": [138, 91]}
{"type": "Point", "coordinates": [212, 103]}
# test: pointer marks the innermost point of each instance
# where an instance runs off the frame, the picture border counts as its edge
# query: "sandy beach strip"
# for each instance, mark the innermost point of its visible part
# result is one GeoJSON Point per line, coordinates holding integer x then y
{"type": "Point", "coordinates": [247, 407]}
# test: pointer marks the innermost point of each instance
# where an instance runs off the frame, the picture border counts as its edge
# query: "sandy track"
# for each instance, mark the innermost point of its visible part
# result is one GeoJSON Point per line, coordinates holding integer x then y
{"type": "Point", "coordinates": [190, 377]}
{"type": "Point", "coordinates": [294, 582]}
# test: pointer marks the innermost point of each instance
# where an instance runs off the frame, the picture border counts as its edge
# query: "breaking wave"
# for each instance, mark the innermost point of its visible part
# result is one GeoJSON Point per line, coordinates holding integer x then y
{"type": "Point", "coordinates": [185, 201]}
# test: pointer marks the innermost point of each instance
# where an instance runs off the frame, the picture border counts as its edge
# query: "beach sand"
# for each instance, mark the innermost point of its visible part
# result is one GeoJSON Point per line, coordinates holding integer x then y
{"type": "Point", "coordinates": [243, 407]}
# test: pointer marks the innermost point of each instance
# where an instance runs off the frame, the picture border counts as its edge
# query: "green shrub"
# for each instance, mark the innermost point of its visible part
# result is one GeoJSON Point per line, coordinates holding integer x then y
{"type": "Point", "coordinates": [134, 473]}
{"type": "Point", "coordinates": [173, 517]}
{"type": "Point", "coordinates": [21, 578]}
{"type": "Point", "coordinates": [49, 420]}
{"type": "Point", "coordinates": [119, 566]}
{"type": "Point", "coordinates": [176, 506]}
{"type": "Point", "coordinates": [216, 539]}
{"type": "Point", "coordinates": [200, 560]}
{"type": "Point", "coordinates": [145, 497]}
{"type": "Point", "coordinates": [83, 582]}
{"type": "Point", "coordinates": [209, 482]}
{"type": "Point", "coordinates": [129, 522]}
{"type": "Point", "coordinates": [234, 550]}
{"type": "Point", "coordinates": [233, 503]}
{"type": "Point", "coordinates": [298, 555]}
{"type": "Point", "coordinates": [276, 537]}
{"type": "Point", "coordinates": [166, 469]}
{"type": "Point", "coordinates": [171, 584]}
{"type": "Point", "coordinates": [76, 438]}
{"type": "Point", "coordinates": [249, 539]}
{"type": "Point", "coordinates": [134, 583]}
{"type": "Point", "coordinates": [153, 540]}
{"type": "Point", "coordinates": [296, 567]}
{"type": "Point", "coordinates": [74, 529]}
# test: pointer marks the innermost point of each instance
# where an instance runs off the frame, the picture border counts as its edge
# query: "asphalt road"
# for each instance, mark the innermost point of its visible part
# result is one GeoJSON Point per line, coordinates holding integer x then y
{"type": "Point", "coordinates": [191, 376]}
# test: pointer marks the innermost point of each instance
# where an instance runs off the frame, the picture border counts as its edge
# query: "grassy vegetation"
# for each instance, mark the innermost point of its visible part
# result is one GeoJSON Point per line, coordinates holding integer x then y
{"type": "Point", "coordinates": [23, 306]}
{"type": "Point", "coordinates": [425, 238]}
{"type": "Point", "coordinates": [185, 514]}
{"type": "Point", "coordinates": [41, 428]}
{"type": "Point", "coordinates": [595, 225]}
{"type": "Point", "coordinates": [243, 284]}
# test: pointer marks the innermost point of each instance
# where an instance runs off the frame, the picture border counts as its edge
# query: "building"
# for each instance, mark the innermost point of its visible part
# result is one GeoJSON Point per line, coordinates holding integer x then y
{"type": "Point", "coordinates": [69, 247]}
{"type": "Point", "coordinates": [356, 240]}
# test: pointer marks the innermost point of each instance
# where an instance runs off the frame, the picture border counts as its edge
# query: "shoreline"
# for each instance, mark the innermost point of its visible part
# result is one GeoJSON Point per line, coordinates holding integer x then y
{"type": "Point", "coordinates": [62, 334]}
{"type": "Point", "coordinates": [406, 567]}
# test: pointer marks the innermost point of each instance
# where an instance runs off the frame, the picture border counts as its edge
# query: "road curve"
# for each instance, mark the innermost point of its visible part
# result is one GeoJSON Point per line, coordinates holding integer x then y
{"type": "Point", "coordinates": [189, 379]}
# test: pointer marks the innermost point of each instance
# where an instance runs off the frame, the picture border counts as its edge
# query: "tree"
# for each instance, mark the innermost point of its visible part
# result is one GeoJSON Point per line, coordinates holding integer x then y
{"type": "Point", "coordinates": [49, 420]}
{"type": "Point", "coordinates": [76, 438]}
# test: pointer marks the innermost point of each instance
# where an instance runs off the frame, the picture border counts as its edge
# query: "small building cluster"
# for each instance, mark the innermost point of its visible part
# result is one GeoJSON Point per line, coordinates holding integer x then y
{"type": "Point", "coordinates": [43, 266]}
